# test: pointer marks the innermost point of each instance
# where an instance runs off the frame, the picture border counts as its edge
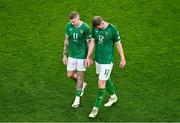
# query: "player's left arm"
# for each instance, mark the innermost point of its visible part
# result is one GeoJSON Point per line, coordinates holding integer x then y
{"type": "Point", "coordinates": [88, 35]}
{"type": "Point", "coordinates": [91, 44]}
{"type": "Point", "coordinates": [117, 40]}
{"type": "Point", "coordinates": [121, 53]}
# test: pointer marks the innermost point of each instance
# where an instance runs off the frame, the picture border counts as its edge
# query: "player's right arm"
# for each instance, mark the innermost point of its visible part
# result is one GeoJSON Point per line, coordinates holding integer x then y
{"type": "Point", "coordinates": [66, 46]}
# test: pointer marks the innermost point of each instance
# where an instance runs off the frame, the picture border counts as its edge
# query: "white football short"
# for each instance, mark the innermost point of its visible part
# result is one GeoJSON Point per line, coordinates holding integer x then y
{"type": "Point", "coordinates": [76, 64]}
{"type": "Point", "coordinates": [104, 70]}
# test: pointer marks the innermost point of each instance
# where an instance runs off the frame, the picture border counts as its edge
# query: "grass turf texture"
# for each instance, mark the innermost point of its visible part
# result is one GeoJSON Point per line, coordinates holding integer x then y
{"type": "Point", "coordinates": [33, 82]}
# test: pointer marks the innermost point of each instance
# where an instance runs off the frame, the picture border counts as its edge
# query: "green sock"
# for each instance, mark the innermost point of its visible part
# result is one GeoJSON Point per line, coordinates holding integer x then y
{"type": "Point", "coordinates": [78, 93]}
{"type": "Point", "coordinates": [99, 97]}
{"type": "Point", "coordinates": [109, 86]}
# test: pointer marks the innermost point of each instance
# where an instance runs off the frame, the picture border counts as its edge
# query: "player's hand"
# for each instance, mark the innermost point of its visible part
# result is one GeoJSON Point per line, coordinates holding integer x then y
{"type": "Point", "coordinates": [122, 63]}
{"type": "Point", "coordinates": [88, 62]}
{"type": "Point", "coordinates": [65, 59]}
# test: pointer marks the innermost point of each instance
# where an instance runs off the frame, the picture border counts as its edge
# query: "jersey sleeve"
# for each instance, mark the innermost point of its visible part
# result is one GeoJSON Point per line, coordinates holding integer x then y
{"type": "Point", "coordinates": [116, 35]}
{"type": "Point", "coordinates": [67, 30]}
{"type": "Point", "coordinates": [88, 33]}
{"type": "Point", "coordinates": [92, 33]}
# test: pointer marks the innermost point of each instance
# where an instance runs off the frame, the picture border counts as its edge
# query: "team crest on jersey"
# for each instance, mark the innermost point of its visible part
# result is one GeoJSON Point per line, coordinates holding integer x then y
{"type": "Point", "coordinates": [81, 31]}
{"type": "Point", "coordinates": [106, 33]}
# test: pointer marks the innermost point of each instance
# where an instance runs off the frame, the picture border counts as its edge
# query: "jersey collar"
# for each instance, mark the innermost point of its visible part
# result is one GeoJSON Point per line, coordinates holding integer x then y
{"type": "Point", "coordinates": [106, 26]}
{"type": "Point", "coordinates": [79, 25]}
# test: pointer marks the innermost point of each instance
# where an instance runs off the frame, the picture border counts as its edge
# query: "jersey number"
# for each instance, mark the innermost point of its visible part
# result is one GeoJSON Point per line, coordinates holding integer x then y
{"type": "Point", "coordinates": [75, 36]}
{"type": "Point", "coordinates": [106, 72]}
{"type": "Point", "coordinates": [101, 38]}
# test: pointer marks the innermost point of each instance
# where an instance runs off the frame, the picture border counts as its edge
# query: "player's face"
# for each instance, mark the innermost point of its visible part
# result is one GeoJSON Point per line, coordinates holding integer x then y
{"type": "Point", "coordinates": [74, 21]}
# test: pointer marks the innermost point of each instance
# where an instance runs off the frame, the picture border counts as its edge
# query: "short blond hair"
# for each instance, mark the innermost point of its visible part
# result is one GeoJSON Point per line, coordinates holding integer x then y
{"type": "Point", "coordinates": [73, 15]}
{"type": "Point", "coordinates": [97, 21]}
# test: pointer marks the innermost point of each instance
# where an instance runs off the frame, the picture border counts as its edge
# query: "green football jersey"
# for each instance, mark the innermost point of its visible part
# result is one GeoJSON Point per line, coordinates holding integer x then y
{"type": "Point", "coordinates": [78, 37]}
{"type": "Point", "coordinates": [104, 40]}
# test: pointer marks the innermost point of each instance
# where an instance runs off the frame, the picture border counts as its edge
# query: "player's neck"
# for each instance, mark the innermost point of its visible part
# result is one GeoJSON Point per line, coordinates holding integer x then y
{"type": "Point", "coordinates": [79, 24]}
{"type": "Point", "coordinates": [105, 25]}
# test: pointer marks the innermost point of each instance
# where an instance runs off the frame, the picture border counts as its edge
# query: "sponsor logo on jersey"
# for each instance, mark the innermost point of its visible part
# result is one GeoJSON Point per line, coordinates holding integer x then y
{"type": "Point", "coordinates": [70, 29]}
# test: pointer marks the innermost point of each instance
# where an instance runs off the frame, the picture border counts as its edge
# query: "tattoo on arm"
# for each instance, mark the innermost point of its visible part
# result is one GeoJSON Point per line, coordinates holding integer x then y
{"type": "Point", "coordinates": [66, 45]}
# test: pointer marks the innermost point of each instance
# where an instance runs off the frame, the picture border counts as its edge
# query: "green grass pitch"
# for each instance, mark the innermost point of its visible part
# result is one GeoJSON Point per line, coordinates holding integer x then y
{"type": "Point", "coordinates": [33, 82]}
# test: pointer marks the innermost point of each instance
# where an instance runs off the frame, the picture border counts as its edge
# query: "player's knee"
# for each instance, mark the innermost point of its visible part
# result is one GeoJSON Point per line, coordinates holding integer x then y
{"type": "Point", "coordinates": [102, 84]}
{"type": "Point", "coordinates": [70, 75]}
